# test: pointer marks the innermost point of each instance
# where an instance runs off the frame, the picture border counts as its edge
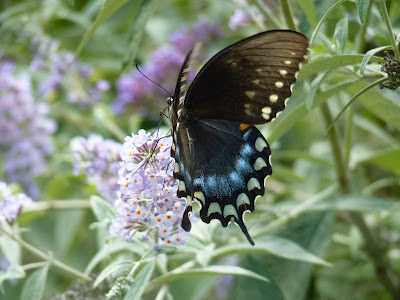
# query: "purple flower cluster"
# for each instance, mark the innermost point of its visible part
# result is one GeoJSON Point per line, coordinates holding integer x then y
{"type": "Point", "coordinates": [163, 67]}
{"type": "Point", "coordinates": [240, 18]}
{"type": "Point", "coordinates": [61, 74]}
{"type": "Point", "coordinates": [25, 129]}
{"type": "Point", "coordinates": [11, 202]}
{"type": "Point", "coordinates": [99, 159]}
{"type": "Point", "coordinates": [148, 202]}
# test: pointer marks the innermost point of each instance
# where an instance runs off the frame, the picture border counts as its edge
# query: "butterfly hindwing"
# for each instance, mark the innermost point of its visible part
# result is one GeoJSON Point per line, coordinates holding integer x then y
{"type": "Point", "coordinates": [221, 164]}
{"type": "Point", "coordinates": [248, 81]}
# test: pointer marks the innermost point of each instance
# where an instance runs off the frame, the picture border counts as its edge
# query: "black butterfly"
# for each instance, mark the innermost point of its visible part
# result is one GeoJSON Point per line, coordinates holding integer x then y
{"type": "Point", "coordinates": [221, 159]}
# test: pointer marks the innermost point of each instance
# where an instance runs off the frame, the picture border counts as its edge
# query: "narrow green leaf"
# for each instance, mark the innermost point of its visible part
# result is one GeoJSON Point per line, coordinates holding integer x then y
{"type": "Point", "coordinates": [328, 45]}
{"type": "Point", "coordinates": [206, 271]}
{"type": "Point", "coordinates": [34, 285]}
{"type": "Point", "coordinates": [309, 10]}
{"type": "Point", "coordinates": [332, 62]}
{"type": "Point", "coordinates": [362, 91]}
{"type": "Point", "coordinates": [140, 283]}
{"type": "Point", "coordinates": [109, 7]}
{"type": "Point", "coordinates": [314, 87]}
{"type": "Point", "coordinates": [353, 203]}
{"type": "Point", "coordinates": [145, 11]}
{"type": "Point", "coordinates": [115, 267]}
{"type": "Point", "coordinates": [369, 55]}
{"type": "Point", "coordinates": [375, 129]}
{"type": "Point", "coordinates": [327, 13]}
{"type": "Point", "coordinates": [387, 159]}
{"type": "Point", "coordinates": [101, 208]}
{"type": "Point", "coordinates": [340, 35]}
{"type": "Point", "coordinates": [111, 248]}
{"type": "Point", "coordinates": [13, 272]}
{"type": "Point", "coordinates": [362, 9]}
{"type": "Point", "coordinates": [276, 246]}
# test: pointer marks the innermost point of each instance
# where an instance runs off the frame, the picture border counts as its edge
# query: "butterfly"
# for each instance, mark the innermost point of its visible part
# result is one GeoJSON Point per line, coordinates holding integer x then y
{"type": "Point", "coordinates": [221, 158]}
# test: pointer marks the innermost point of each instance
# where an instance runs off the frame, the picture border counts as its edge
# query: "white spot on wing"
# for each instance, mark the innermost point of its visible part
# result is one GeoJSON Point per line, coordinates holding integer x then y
{"type": "Point", "coordinates": [229, 210]}
{"type": "Point", "coordinates": [199, 196]}
{"type": "Point", "coordinates": [273, 98]}
{"type": "Point", "coordinates": [259, 164]}
{"type": "Point", "coordinates": [283, 72]}
{"type": "Point", "coordinates": [288, 62]}
{"type": "Point", "coordinates": [265, 116]}
{"type": "Point", "coordinates": [250, 94]}
{"type": "Point", "coordinates": [242, 199]}
{"type": "Point", "coordinates": [253, 183]}
{"type": "Point", "coordinates": [182, 186]}
{"type": "Point", "coordinates": [214, 208]}
{"type": "Point", "coordinates": [266, 110]}
{"type": "Point", "coordinates": [260, 144]}
{"type": "Point", "coordinates": [279, 84]}
{"type": "Point", "coordinates": [176, 168]}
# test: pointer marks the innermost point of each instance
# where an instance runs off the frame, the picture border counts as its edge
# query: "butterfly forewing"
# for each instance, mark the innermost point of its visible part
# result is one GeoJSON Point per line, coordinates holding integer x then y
{"type": "Point", "coordinates": [248, 81]}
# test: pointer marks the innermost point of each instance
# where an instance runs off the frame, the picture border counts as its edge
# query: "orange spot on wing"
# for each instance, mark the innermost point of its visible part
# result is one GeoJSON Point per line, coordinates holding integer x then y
{"type": "Point", "coordinates": [244, 127]}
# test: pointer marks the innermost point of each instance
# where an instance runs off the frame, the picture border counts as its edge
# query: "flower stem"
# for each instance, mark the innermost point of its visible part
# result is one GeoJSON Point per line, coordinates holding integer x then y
{"type": "Point", "coordinates": [288, 15]}
{"type": "Point", "coordinates": [56, 204]}
{"type": "Point", "coordinates": [374, 249]}
{"type": "Point", "coordinates": [361, 35]}
{"type": "Point", "coordinates": [385, 15]}
{"type": "Point", "coordinates": [47, 257]}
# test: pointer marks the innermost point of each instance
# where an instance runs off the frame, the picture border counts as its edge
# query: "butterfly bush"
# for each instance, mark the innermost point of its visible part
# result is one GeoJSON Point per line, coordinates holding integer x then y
{"type": "Point", "coordinates": [25, 128]}
{"type": "Point", "coordinates": [162, 67]}
{"type": "Point", "coordinates": [60, 73]}
{"type": "Point", "coordinates": [148, 202]}
{"type": "Point", "coordinates": [11, 202]}
{"type": "Point", "coordinates": [99, 160]}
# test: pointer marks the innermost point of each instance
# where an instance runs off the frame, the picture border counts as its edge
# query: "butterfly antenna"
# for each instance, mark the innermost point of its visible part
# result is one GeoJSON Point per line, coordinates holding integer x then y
{"type": "Point", "coordinates": [157, 84]}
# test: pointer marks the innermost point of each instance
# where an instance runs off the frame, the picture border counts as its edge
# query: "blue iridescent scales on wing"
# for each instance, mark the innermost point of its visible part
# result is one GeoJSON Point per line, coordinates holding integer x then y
{"type": "Point", "coordinates": [221, 159]}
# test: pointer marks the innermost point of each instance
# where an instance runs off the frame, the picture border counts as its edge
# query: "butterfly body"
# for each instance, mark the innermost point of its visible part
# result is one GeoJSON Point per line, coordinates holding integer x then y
{"type": "Point", "coordinates": [221, 159]}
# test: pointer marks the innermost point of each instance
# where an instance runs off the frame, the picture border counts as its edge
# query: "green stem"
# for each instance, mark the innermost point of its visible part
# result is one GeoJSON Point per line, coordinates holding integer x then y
{"type": "Point", "coordinates": [362, 32]}
{"type": "Point", "coordinates": [49, 258]}
{"type": "Point", "coordinates": [386, 276]}
{"type": "Point", "coordinates": [385, 15]}
{"type": "Point", "coordinates": [288, 15]}
{"type": "Point", "coordinates": [56, 204]}
{"type": "Point", "coordinates": [349, 134]}
{"type": "Point", "coordinates": [266, 14]}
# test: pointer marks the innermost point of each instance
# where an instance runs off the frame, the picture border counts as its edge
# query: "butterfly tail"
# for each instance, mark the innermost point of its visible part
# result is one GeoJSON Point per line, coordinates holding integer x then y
{"type": "Point", "coordinates": [244, 230]}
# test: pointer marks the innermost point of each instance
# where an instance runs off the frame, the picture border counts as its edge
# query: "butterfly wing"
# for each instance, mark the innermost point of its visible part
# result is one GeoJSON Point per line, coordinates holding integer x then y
{"type": "Point", "coordinates": [249, 81]}
{"type": "Point", "coordinates": [222, 164]}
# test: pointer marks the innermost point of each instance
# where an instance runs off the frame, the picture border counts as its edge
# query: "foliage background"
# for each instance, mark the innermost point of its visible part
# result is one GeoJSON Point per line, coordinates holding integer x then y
{"type": "Point", "coordinates": [328, 227]}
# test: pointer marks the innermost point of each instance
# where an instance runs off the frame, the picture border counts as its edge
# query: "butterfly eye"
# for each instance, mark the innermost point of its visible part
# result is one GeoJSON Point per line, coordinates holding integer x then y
{"type": "Point", "coordinates": [169, 101]}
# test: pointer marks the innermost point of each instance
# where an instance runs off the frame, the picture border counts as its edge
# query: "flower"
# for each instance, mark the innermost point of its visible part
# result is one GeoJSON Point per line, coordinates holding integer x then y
{"type": "Point", "coordinates": [11, 202]}
{"type": "Point", "coordinates": [147, 201]}
{"type": "Point", "coordinates": [240, 18]}
{"type": "Point", "coordinates": [25, 128]}
{"type": "Point", "coordinates": [64, 74]}
{"type": "Point", "coordinates": [99, 159]}
{"type": "Point", "coordinates": [162, 67]}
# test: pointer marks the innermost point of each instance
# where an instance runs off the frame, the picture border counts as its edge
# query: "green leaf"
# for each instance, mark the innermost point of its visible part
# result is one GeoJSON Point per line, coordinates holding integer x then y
{"type": "Point", "coordinates": [13, 272]}
{"type": "Point", "coordinates": [353, 203]}
{"type": "Point", "coordinates": [374, 128]}
{"type": "Point", "coordinates": [68, 224]}
{"type": "Point", "coordinates": [314, 87]}
{"type": "Point", "coordinates": [309, 10]}
{"type": "Point", "coordinates": [369, 55]}
{"type": "Point", "coordinates": [328, 45]}
{"type": "Point", "coordinates": [362, 9]}
{"type": "Point", "coordinates": [276, 246]}
{"type": "Point", "coordinates": [101, 208]}
{"type": "Point", "coordinates": [387, 159]}
{"type": "Point", "coordinates": [109, 249]}
{"type": "Point", "coordinates": [206, 271]}
{"type": "Point", "coordinates": [109, 7]}
{"type": "Point", "coordinates": [332, 62]}
{"type": "Point", "coordinates": [146, 10]}
{"type": "Point", "coordinates": [140, 283]}
{"type": "Point", "coordinates": [34, 285]}
{"type": "Point", "coordinates": [340, 35]}
{"type": "Point", "coordinates": [115, 267]}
